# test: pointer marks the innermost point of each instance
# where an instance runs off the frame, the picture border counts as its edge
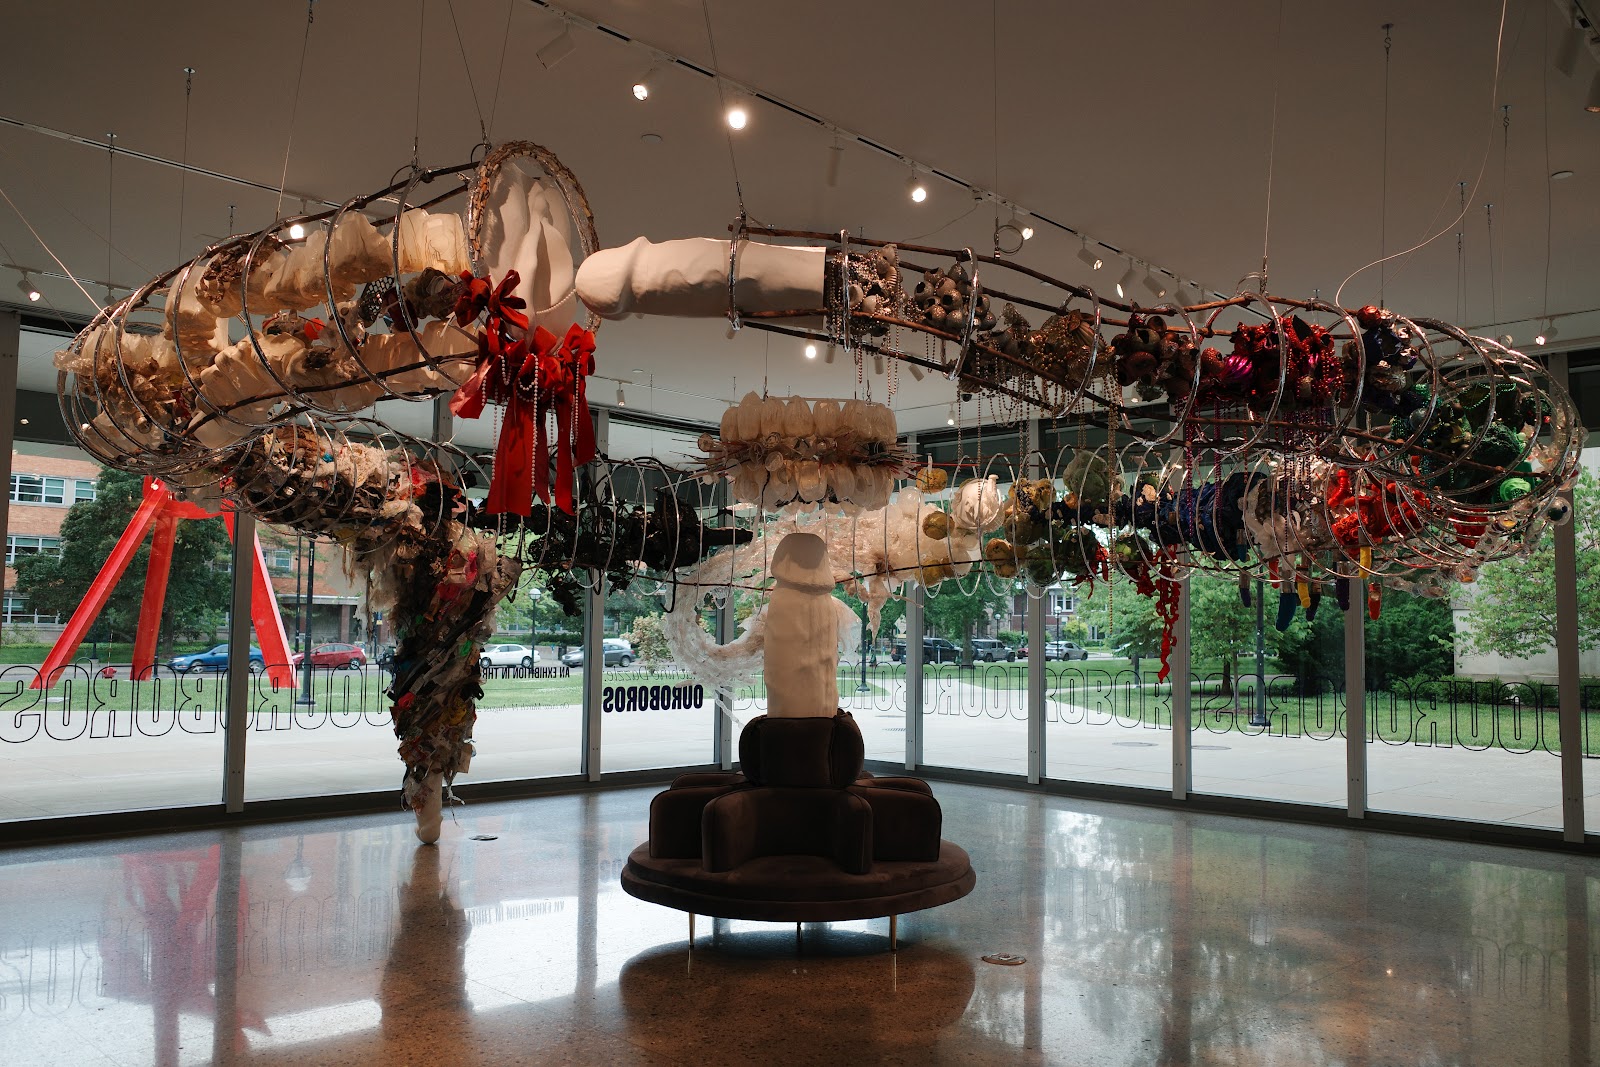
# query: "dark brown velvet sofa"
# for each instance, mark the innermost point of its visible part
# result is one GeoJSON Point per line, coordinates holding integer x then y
{"type": "Point", "coordinates": [801, 834]}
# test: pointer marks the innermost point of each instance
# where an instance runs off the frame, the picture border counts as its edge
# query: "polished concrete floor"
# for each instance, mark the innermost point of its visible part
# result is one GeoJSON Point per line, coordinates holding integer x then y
{"type": "Point", "coordinates": [1150, 937]}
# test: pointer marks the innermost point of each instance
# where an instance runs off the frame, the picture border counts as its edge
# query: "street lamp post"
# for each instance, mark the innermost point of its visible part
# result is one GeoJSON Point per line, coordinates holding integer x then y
{"type": "Point", "coordinates": [862, 686]}
{"type": "Point", "coordinates": [306, 699]}
{"type": "Point", "coordinates": [533, 618]}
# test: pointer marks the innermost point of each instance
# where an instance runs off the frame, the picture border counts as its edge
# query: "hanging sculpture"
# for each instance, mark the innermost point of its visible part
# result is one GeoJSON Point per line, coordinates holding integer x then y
{"type": "Point", "coordinates": [1325, 446]}
{"type": "Point", "coordinates": [481, 306]}
{"type": "Point", "coordinates": [1314, 447]}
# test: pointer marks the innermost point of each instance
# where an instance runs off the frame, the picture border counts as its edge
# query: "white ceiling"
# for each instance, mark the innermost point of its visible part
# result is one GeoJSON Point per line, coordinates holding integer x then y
{"type": "Point", "coordinates": [1146, 125]}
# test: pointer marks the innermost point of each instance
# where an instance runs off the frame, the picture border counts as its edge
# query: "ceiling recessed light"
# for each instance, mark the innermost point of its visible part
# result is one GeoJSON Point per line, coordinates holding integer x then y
{"type": "Point", "coordinates": [811, 351]}
{"type": "Point", "coordinates": [650, 138]}
{"type": "Point", "coordinates": [1561, 175]}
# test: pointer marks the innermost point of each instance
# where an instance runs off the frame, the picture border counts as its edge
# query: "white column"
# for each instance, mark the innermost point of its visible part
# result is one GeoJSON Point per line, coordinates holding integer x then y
{"type": "Point", "coordinates": [10, 346]}
{"type": "Point", "coordinates": [594, 618]}
{"type": "Point", "coordinates": [1033, 623]}
{"type": "Point", "coordinates": [1182, 737]}
{"type": "Point", "coordinates": [239, 677]}
{"type": "Point", "coordinates": [1355, 701]}
{"type": "Point", "coordinates": [1570, 716]}
{"type": "Point", "coordinates": [915, 693]}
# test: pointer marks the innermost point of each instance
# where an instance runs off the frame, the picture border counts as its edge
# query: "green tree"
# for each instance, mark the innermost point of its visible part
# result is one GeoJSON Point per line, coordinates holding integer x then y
{"type": "Point", "coordinates": [1074, 630]}
{"type": "Point", "coordinates": [626, 606]}
{"type": "Point", "coordinates": [649, 641]}
{"type": "Point", "coordinates": [952, 613]}
{"type": "Point", "coordinates": [1221, 627]}
{"type": "Point", "coordinates": [1412, 637]}
{"type": "Point", "coordinates": [1511, 609]}
{"type": "Point", "coordinates": [1312, 651]}
{"type": "Point", "coordinates": [197, 588]}
{"type": "Point", "coordinates": [1128, 620]}
{"type": "Point", "coordinates": [530, 610]}
{"type": "Point", "coordinates": [894, 609]}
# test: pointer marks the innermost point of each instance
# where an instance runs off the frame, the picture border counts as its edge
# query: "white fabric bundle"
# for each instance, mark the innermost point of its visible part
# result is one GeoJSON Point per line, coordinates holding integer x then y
{"type": "Point", "coordinates": [453, 350]}
{"type": "Point", "coordinates": [436, 241]}
{"type": "Point", "coordinates": [357, 254]}
{"type": "Point", "coordinates": [791, 454]}
{"type": "Point", "coordinates": [237, 374]}
{"type": "Point", "coordinates": [200, 331]}
{"type": "Point", "coordinates": [689, 278]}
{"type": "Point", "coordinates": [523, 231]}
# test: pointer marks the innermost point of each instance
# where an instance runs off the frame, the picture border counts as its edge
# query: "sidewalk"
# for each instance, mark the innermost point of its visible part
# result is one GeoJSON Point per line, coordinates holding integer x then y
{"type": "Point", "coordinates": [965, 726]}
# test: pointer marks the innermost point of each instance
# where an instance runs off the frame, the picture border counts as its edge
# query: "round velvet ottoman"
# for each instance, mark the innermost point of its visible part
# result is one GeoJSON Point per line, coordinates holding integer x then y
{"type": "Point", "coordinates": [801, 835]}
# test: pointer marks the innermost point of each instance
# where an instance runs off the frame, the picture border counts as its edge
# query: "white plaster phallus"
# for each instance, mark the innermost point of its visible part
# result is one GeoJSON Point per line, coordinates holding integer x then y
{"type": "Point", "coordinates": [801, 669]}
{"type": "Point", "coordinates": [689, 278]}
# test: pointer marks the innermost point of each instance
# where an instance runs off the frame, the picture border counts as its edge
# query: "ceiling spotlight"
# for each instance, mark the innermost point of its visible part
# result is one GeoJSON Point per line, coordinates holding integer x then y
{"type": "Point", "coordinates": [950, 419]}
{"type": "Point", "coordinates": [27, 288]}
{"type": "Point", "coordinates": [1188, 294]}
{"type": "Point", "coordinates": [916, 188]}
{"type": "Point", "coordinates": [622, 400]}
{"type": "Point", "coordinates": [298, 231]}
{"type": "Point", "coordinates": [1027, 233]}
{"type": "Point", "coordinates": [1155, 285]}
{"type": "Point", "coordinates": [738, 114]}
{"type": "Point", "coordinates": [811, 351]}
{"type": "Point", "coordinates": [1092, 261]}
{"type": "Point", "coordinates": [1592, 105]}
{"type": "Point", "coordinates": [1125, 283]}
{"type": "Point", "coordinates": [641, 90]}
{"type": "Point", "coordinates": [557, 48]}
{"type": "Point", "coordinates": [1546, 333]}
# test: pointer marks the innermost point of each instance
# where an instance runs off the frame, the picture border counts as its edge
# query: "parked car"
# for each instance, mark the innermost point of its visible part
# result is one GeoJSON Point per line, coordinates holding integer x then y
{"type": "Point", "coordinates": [988, 650]}
{"type": "Point", "coordinates": [1065, 650]}
{"type": "Point", "coordinates": [508, 656]}
{"type": "Point", "coordinates": [212, 659]}
{"type": "Point", "coordinates": [934, 650]}
{"type": "Point", "coordinates": [614, 651]}
{"type": "Point", "coordinates": [334, 655]}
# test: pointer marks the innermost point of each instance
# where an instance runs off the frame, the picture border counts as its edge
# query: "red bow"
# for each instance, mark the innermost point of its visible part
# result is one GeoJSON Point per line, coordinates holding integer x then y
{"type": "Point", "coordinates": [533, 374]}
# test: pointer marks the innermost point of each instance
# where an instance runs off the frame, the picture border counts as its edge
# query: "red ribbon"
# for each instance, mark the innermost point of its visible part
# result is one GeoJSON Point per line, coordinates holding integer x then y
{"type": "Point", "coordinates": [533, 374]}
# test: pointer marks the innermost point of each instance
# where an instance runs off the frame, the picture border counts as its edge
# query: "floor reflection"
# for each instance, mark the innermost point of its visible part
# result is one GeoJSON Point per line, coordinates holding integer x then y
{"type": "Point", "coordinates": [1151, 937]}
{"type": "Point", "coordinates": [423, 992]}
{"type": "Point", "coordinates": [838, 994]}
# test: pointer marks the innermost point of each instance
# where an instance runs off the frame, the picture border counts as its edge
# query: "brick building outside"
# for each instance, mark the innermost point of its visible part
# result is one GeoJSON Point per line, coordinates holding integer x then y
{"type": "Point", "coordinates": [47, 479]}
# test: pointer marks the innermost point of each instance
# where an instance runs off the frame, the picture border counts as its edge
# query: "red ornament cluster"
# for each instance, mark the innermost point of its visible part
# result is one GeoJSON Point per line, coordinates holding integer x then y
{"type": "Point", "coordinates": [534, 374]}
